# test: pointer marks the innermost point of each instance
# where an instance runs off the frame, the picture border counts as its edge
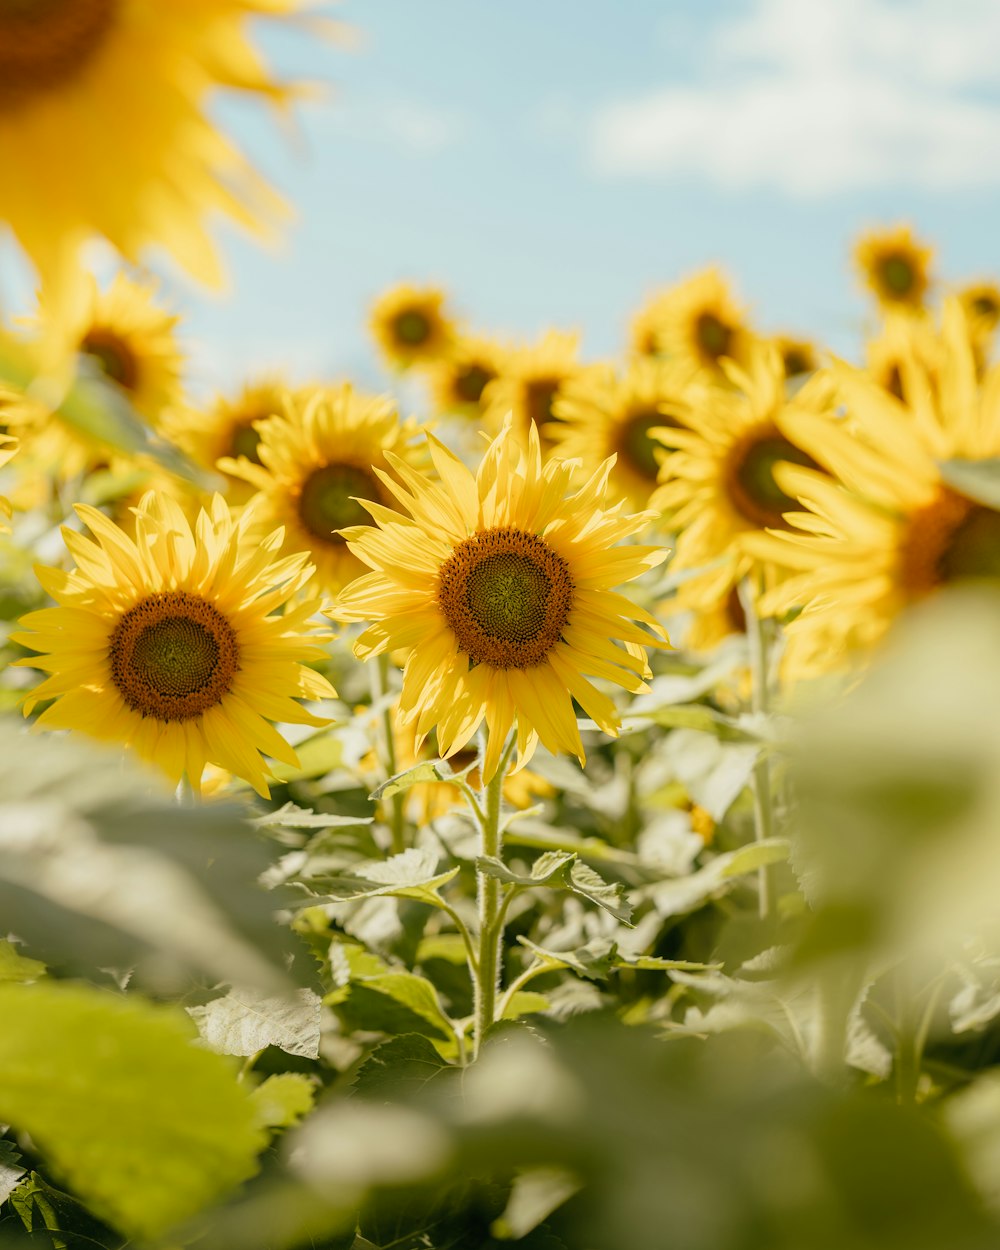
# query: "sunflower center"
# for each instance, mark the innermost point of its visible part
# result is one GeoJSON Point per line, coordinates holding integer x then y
{"type": "Point", "coordinates": [538, 398]}
{"type": "Point", "coordinates": [637, 446]}
{"type": "Point", "coordinates": [898, 275]}
{"type": "Point", "coordinates": [952, 539]}
{"type": "Point", "coordinates": [507, 596]}
{"type": "Point", "coordinates": [752, 487]}
{"type": "Point", "coordinates": [796, 361]}
{"type": "Point", "coordinates": [412, 328]}
{"type": "Point", "coordinates": [44, 43]}
{"type": "Point", "coordinates": [713, 336]}
{"type": "Point", "coordinates": [329, 500]}
{"type": "Point", "coordinates": [173, 656]}
{"type": "Point", "coordinates": [986, 305]}
{"type": "Point", "coordinates": [114, 356]}
{"type": "Point", "coordinates": [471, 381]}
{"type": "Point", "coordinates": [246, 441]}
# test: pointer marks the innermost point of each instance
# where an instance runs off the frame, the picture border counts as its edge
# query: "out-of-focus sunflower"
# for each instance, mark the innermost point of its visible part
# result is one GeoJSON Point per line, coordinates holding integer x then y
{"type": "Point", "coordinates": [890, 530]}
{"type": "Point", "coordinates": [103, 115]}
{"type": "Point", "coordinates": [459, 381]}
{"type": "Point", "coordinates": [602, 414]}
{"type": "Point", "coordinates": [125, 334]}
{"type": "Point", "coordinates": [171, 645]}
{"type": "Point", "coordinates": [719, 483]}
{"type": "Point", "coordinates": [902, 340]}
{"type": "Point", "coordinates": [317, 460]}
{"type": "Point", "coordinates": [700, 324]}
{"type": "Point", "coordinates": [798, 356]}
{"type": "Point", "coordinates": [711, 623]}
{"type": "Point", "coordinates": [981, 301]}
{"type": "Point", "coordinates": [410, 325]}
{"type": "Point", "coordinates": [895, 266]}
{"type": "Point", "coordinates": [8, 446]}
{"type": "Point", "coordinates": [532, 379]}
{"type": "Point", "coordinates": [498, 590]}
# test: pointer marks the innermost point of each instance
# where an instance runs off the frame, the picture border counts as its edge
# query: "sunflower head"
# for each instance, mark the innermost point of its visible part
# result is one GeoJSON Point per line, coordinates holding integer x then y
{"type": "Point", "coordinates": [170, 643]}
{"type": "Point", "coordinates": [531, 383]}
{"type": "Point", "coordinates": [410, 325]}
{"type": "Point", "coordinates": [497, 589]}
{"type": "Point", "coordinates": [602, 413]}
{"type": "Point", "coordinates": [798, 356]}
{"type": "Point", "coordinates": [319, 461]}
{"type": "Point", "coordinates": [894, 266]}
{"type": "Point", "coordinates": [698, 323]}
{"type": "Point", "coordinates": [460, 380]}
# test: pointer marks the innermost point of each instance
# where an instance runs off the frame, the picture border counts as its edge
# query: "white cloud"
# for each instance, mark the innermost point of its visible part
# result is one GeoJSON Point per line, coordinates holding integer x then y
{"type": "Point", "coordinates": [814, 96]}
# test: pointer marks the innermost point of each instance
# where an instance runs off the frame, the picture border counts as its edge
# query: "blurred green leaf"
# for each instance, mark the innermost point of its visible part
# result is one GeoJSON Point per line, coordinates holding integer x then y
{"type": "Point", "coordinates": [561, 870]}
{"type": "Point", "coordinates": [68, 1223]}
{"type": "Point", "coordinates": [244, 1022]}
{"type": "Point", "coordinates": [427, 773]}
{"type": "Point", "coordinates": [283, 1099]}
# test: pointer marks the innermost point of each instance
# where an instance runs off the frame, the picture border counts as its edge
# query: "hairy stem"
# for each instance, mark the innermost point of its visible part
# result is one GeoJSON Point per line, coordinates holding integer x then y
{"type": "Point", "coordinates": [487, 971]}
{"type": "Point", "coordinates": [757, 637]}
{"type": "Point", "coordinates": [387, 751]}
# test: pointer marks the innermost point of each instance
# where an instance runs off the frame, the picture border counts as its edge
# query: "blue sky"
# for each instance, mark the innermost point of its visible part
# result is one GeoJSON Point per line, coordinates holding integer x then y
{"type": "Point", "coordinates": [552, 161]}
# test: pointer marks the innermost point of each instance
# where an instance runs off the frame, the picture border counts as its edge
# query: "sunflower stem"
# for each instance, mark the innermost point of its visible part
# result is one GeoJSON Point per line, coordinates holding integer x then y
{"type": "Point", "coordinates": [486, 974]}
{"type": "Point", "coordinates": [397, 816]}
{"type": "Point", "coordinates": [760, 702]}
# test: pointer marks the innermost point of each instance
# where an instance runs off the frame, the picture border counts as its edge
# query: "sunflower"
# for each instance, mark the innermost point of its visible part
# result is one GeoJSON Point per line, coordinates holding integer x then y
{"type": "Point", "coordinates": [410, 325]}
{"type": "Point", "coordinates": [8, 446]}
{"type": "Point", "coordinates": [902, 339]}
{"type": "Point", "coordinates": [981, 301]}
{"type": "Point", "coordinates": [124, 334]}
{"type": "Point", "coordinates": [798, 356]}
{"type": "Point", "coordinates": [496, 588]}
{"type": "Point", "coordinates": [697, 322]}
{"type": "Point", "coordinates": [532, 380]}
{"type": "Point", "coordinates": [894, 266]}
{"type": "Point", "coordinates": [317, 460]}
{"type": "Point", "coordinates": [102, 113]}
{"type": "Point", "coordinates": [718, 482]}
{"type": "Point", "coordinates": [890, 530]}
{"type": "Point", "coordinates": [171, 643]}
{"type": "Point", "coordinates": [459, 380]}
{"type": "Point", "coordinates": [601, 414]}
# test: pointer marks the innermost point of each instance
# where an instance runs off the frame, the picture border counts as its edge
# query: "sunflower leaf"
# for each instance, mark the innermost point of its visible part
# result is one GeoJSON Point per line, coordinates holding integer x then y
{"type": "Point", "coordinates": [145, 1127]}
{"type": "Point", "coordinates": [244, 1022]}
{"type": "Point", "coordinates": [40, 1206]}
{"type": "Point", "coordinates": [411, 874]}
{"type": "Point", "coordinates": [290, 816]}
{"type": "Point", "coordinates": [427, 773]}
{"type": "Point", "coordinates": [561, 870]}
{"type": "Point", "coordinates": [11, 1171]}
{"type": "Point", "coordinates": [283, 1099]}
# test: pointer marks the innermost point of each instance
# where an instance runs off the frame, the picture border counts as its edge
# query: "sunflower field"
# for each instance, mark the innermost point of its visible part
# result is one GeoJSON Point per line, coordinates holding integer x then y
{"type": "Point", "coordinates": [565, 816]}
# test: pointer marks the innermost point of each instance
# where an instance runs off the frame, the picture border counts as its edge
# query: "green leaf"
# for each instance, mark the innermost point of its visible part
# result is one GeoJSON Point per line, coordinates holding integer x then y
{"type": "Point", "coordinates": [15, 967]}
{"type": "Point", "coordinates": [583, 880]}
{"type": "Point", "coordinates": [290, 816]}
{"type": "Point", "coordinates": [685, 894]}
{"type": "Point", "coordinates": [400, 1069]}
{"type": "Point", "coordinates": [282, 1100]}
{"type": "Point", "coordinates": [548, 869]}
{"type": "Point", "coordinates": [318, 755]}
{"type": "Point", "coordinates": [976, 479]}
{"type": "Point", "coordinates": [535, 1194]}
{"type": "Point", "coordinates": [756, 855]}
{"type": "Point", "coordinates": [713, 772]}
{"type": "Point", "coordinates": [378, 999]}
{"type": "Point", "coordinates": [599, 958]}
{"type": "Point", "coordinates": [10, 1169]}
{"type": "Point", "coordinates": [428, 772]}
{"type": "Point", "coordinates": [524, 1003]}
{"type": "Point", "coordinates": [145, 1127]}
{"type": "Point", "coordinates": [70, 1226]}
{"type": "Point", "coordinates": [244, 1022]}
{"type": "Point", "coordinates": [411, 874]}
{"type": "Point", "coordinates": [561, 870]}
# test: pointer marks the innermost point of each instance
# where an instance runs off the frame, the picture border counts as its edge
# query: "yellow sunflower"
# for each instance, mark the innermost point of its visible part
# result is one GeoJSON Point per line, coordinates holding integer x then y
{"type": "Point", "coordinates": [8, 446]}
{"type": "Point", "coordinates": [319, 461]}
{"type": "Point", "coordinates": [459, 380]}
{"type": "Point", "coordinates": [895, 266]}
{"type": "Point", "coordinates": [411, 326]}
{"type": "Point", "coordinates": [903, 338]}
{"type": "Point", "coordinates": [889, 530]}
{"type": "Point", "coordinates": [697, 322]}
{"type": "Point", "coordinates": [601, 414]}
{"type": "Point", "coordinates": [125, 334]}
{"type": "Point", "coordinates": [171, 644]}
{"type": "Point", "coordinates": [718, 482]}
{"type": "Point", "coordinates": [981, 301]}
{"type": "Point", "coordinates": [496, 587]}
{"type": "Point", "coordinates": [798, 356]}
{"type": "Point", "coordinates": [103, 114]}
{"type": "Point", "coordinates": [532, 379]}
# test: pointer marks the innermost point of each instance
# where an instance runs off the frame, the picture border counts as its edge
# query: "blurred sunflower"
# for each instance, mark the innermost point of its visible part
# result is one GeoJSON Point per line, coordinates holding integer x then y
{"type": "Point", "coordinates": [8, 446]}
{"type": "Point", "coordinates": [459, 380]}
{"type": "Point", "coordinates": [102, 113]}
{"type": "Point", "coordinates": [170, 644]}
{"type": "Point", "coordinates": [981, 301]}
{"type": "Point", "coordinates": [601, 414]}
{"type": "Point", "coordinates": [700, 323]}
{"type": "Point", "coordinates": [719, 481]}
{"type": "Point", "coordinates": [890, 530]}
{"type": "Point", "coordinates": [902, 340]}
{"type": "Point", "coordinates": [798, 356]}
{"type": "Point", "coordinates": [894, 266]}
{"type": "Point", "coordinates": [497, 589]}
{"type": "Point", "coordinates": [532, 379]}
{"type": "Point", "coordinates": [410, 325]}
{"type": "Point", "coordinates": [315, 461]}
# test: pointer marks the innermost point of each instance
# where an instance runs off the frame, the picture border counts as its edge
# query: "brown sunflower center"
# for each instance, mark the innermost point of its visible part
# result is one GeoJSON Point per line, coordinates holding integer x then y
{"type": "Point", "coordinates": [897, 275]}
{"type": "Point", "coordinates": [412, 327]}
{"type": "Point", "coordinates": [753, 490]}
{"type": "Point", "coordinates": [114, 356]}
{"type": "Point", "coordinates": [507, 596]}
{"type": "Point", "coordinates": [797, 361]}
{"type": "Point", "coordinates": [173, 656]}
{"type": "Point", "coordinates": [712, 335]}
{"type": "Point", "coordinates": [986, 305]}
{"type": "Point", "coordinates": [470, 382]}
{"type": "Point", "coordinates": [638, 447]}
{"type": "Point", "coordinates": [329, 499]}
{"type": "Point", "coordinates": [45, 43]}
{"type": "Point", "coordinates": [539, 395]}
{"type": "Point", "coordinates": [246, 441]}
{"type": "Point", "coordinates": [952, 539]}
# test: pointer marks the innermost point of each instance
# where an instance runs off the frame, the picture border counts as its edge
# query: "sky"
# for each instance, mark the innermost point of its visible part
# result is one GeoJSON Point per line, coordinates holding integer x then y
{"type": "Point", "coordinates": [552, 162]}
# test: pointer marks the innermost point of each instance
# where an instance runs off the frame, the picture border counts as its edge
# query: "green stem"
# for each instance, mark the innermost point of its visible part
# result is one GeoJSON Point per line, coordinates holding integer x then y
{"type": "Point", "coordinates": [487, 971]}
{"type": "Point", "coordinates": [757, 637]}
{"type": "Point", "coordinates": [397, 815]}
